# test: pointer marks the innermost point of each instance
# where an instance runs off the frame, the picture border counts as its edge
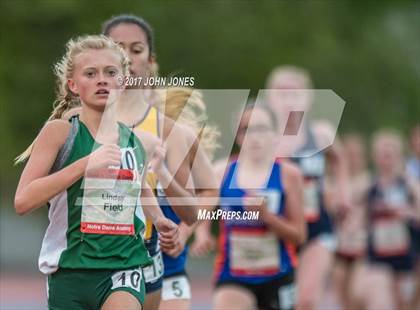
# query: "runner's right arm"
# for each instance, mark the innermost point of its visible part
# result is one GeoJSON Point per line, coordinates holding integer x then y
{"type": "Point", "coordinates": [36, 187]}
{"type": "Point", "coordinates": [168, 230]}
{"type": "Point", "coordinates": [204, 242]}
{"type": "Point", "coordinates": [174, 177]}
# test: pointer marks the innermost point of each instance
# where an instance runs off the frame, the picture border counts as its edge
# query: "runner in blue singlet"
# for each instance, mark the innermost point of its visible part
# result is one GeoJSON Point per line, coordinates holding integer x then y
{"type": "Point", "coordinates": [256, 259]}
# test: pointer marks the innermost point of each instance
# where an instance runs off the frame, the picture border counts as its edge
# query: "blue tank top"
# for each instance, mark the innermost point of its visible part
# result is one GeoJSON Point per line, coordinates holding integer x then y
{"type": "Point", "coordinates": [247, 250]}
{"type": "Point", "coordinates": [172, 266]}
{"type": "Point", "coordinates": [313, 170]}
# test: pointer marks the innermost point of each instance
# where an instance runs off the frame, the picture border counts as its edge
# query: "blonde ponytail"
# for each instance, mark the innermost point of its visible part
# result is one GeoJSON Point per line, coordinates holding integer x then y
{"type": "Point", "coordinates": [186, 106]}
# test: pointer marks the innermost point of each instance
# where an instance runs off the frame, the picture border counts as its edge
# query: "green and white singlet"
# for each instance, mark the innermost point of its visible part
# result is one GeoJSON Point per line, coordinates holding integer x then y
{"type": "Point", "coordinates": [97, 223]}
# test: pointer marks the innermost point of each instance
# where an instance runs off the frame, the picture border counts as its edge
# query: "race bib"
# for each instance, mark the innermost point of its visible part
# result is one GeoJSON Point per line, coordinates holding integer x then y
{"type": "Point", "coordinates": [313, 166]}
{"type": "Point", "coordinates": [272, 198]}
{"type": "Point", "coordinates": [311, 201]}
{"type": "Point", "coordinates": [128, 160]}
{"type": "Point", "coordinates": [254, 253]}
{"type": "Point", "coordinates": [110, 198]}
{"type": "Point", "coordinates": [287, 296]}
{"type": "Point", "coordinates": [395, 196]}
{"type": "Point", "coordinates": [351, 243]}
{"type": "Point", "coordinates": [155, 271]}
{"type": "Point", "coordinates": [390, 237]}
{"type": "Point", "coordinates": [176, 288]}
{"type": "Point", "coordinates": [127, 278]}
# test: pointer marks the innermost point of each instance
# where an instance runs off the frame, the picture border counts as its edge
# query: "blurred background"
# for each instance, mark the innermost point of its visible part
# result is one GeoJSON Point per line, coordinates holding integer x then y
{"type": "Point", "coordinates": [367, 52]}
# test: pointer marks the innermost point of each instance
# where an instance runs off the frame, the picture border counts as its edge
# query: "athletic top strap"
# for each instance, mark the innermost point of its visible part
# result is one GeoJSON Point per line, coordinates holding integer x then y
{"type": "Point", "coordinates": [64, 152]}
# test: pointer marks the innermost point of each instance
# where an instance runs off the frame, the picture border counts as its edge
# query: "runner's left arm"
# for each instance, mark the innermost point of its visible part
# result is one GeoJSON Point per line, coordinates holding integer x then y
{"type": "Point", "coordinates": [204, 242]}
{"type": "Point", "coordinates": [175, 176]}
{"type": "Point", "coordinates": [168, 230]}
{"type": "Point", "coordinates": [204, 177]}
{"type": "Point", "coordinates": [291, 226]}
{"type": "Point", "coordinates": [206, 189]}
{"type": "Point", "coordinates": [185, 233]}
{"type": "Point", "coordinates": [413, 210]}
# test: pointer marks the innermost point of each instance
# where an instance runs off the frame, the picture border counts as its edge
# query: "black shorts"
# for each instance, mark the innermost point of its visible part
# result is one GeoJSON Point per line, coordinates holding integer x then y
{"type": "Point", "coordinates": [415, 239]}
{"type": "Point", "coordinates": [275, 294]}
{"type": "Point", "coordinates": [398, 264]}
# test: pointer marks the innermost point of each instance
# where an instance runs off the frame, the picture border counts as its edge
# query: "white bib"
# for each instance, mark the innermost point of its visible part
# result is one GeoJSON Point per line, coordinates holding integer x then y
{"type": "Point", "coordinates": [311, 201]}
{"type": "Point", "coordinates": [395, 196]}
{"type": "Point", "coordinates": [313, 166]}
{"type": "Point", "coordinates": [352, 243]}
{"type": "Point", "coordinates": [254, 253]}
{"type": "Point", "coordinates": [390, 237]}
{"type": "Point", "coordinates": [108, 205]}
{"type": "Point", "coordinates": [110, 198]}
{"type": "Point", "coordinates": [127, 278]}
{"type": "Point", "coordinates": [153, 272]}
{"type": "Point", "coordinates": [174, 288]}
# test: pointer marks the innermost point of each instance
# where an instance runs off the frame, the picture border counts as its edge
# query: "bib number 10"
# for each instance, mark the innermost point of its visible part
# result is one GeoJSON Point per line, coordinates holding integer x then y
{"type": "Point", "coordinates": [127, 278]}
{"type": "Point", "coordinates": [128, 159]}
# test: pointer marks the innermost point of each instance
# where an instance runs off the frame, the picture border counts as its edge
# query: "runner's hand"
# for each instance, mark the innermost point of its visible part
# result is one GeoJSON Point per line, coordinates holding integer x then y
{"type": "Point", "coordinates": [202, 245]}
{"type": "Point", "coordinates": [168, 232]}
{"type": "Point", "coordinates": [255, 202]}
{"type": "Point", "coordinates": [179, 246]}
{"type": "Point", "coordinates": [105, 156]}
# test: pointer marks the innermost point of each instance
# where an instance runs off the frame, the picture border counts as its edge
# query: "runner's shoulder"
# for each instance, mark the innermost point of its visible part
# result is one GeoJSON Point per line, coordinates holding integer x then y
{"type": "Point", "coordinates": [148, 140]}
{"type": "Point", "coordinates": [291, 171]}
{"type": "Point", "coordinates": [176, 129]}
{"type": "Point", "coordinates": [72, 112]}
{"type": "Point", "coordinates": [147, 137]}
{"type": "Point", "coordinates": [324, 132]}
{"type": "Point", "coordinates": [55, 131]}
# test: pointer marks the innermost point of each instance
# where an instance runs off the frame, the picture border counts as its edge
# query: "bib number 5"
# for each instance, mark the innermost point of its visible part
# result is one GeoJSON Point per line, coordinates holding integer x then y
{"type": "Point", "coordinates": [176, 288]}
